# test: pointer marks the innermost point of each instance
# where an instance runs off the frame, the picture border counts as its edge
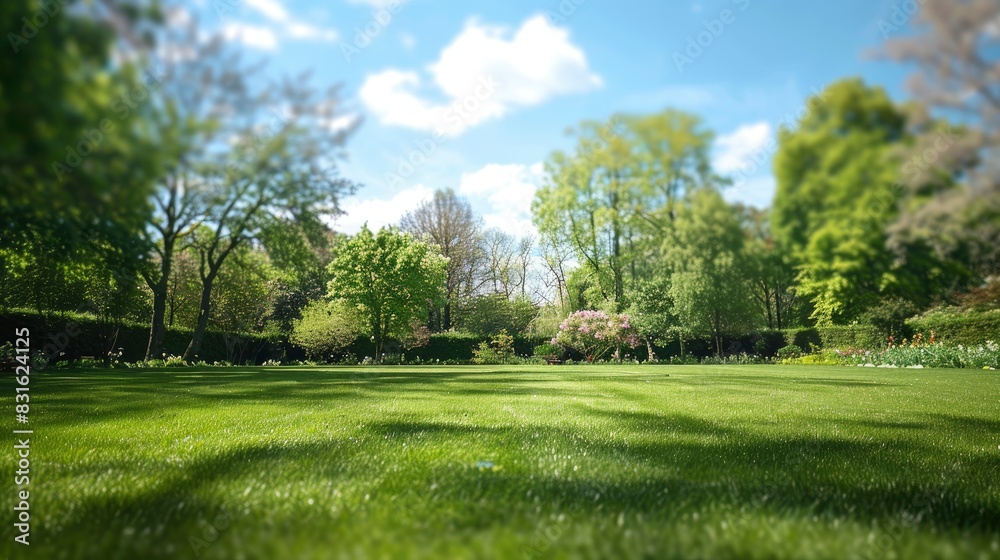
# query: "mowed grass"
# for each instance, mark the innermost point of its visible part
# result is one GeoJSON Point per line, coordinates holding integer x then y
{"type": "Point", "coordinates": [513, 462]}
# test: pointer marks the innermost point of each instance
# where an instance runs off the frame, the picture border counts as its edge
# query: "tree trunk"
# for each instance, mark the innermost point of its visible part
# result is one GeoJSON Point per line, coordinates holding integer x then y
{"type": "Point", "coordinates": [777, 308]}
{"type": "Point", "coordinates": [157, 330]}
{"type": "Point", "coordinates": [204, 309]}
{"type": "Point", "coordinates": [650, 355]}
{"type": "Point", "coordinates": [446, 318]}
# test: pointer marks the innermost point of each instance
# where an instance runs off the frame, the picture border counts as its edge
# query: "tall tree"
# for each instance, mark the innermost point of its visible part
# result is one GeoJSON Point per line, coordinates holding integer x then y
{"type": "Point", "coordinates": [390, 278]}
{"type": "Point", "coordinates": [705, 255]}
{"type": "Point", "coordinates": [448, 221]}
{"type": "Point", "coordinates": [613, 198]}
{"type": "Point", "coordinates": [504, 264]}
{"type": "Point", "coordinates": [770, 270]}
{"type": "Point", "coordinates": [836, 194]}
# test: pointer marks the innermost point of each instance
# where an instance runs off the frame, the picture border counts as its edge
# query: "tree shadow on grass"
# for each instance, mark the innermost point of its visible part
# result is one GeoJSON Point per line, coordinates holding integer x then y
{"type": "Point", "coordinates": [688, 465]}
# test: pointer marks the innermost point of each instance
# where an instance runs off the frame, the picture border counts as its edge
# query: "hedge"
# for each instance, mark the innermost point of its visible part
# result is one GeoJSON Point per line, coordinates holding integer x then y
{"type": "Point", "coordinates": [969, 328]}
{"type": "Point", "coordinates": [836, 337]}
{"type": "Point", "coordinates": [442, 346]}
{"type": "Point", "coordinates": [70, 336]}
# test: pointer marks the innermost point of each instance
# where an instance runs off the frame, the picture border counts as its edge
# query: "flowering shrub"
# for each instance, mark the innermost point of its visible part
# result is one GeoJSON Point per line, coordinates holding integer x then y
{"type": "Point", "coordinates": [916, 352]}
{"type": "Point", "coordinates": [595, 333]}
{"type": "Point", "coordinates": [742, 359]}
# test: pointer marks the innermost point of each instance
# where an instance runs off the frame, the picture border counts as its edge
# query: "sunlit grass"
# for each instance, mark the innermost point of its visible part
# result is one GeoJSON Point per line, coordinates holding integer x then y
{"type": "Point", "coordinates": [514, 462]}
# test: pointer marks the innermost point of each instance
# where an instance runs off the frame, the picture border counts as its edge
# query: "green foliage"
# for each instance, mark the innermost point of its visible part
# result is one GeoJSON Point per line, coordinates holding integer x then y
{"type": "Point", "coordinates": [67, 337]}
{"type": "Point", "coordinates": [922, 354]}
{"type": "Point", "coordinates": [390, 278]}
{"type": "Point", "coordinates": [610, 200]}
{"type": "Point", "coordinates": [490, 314]}
{"type": "Point", "coordinates": [552, 351]}
{"type": "Point", "coordinates": [955, 326]}
{"type": "Point", "coordinates": [790, 351]}
{"type": "Point", "coordinates": [546, 323]}
{"type": "Point", "coordinates": [76, 169]}
{"type": "Point", "coordinates": [326, 328]}
{"type": "Point", "coordinates": [837, 193]}
{"type": "Point", "coordinates": [858, 335]}
{"type": "Point", "coordinates": [889, 317]}
{"type": "Point", "coordinates": [652, 309]}
{"type": "Point", "coordinates": [499, 350]}
{"type": "Point", "coordinates": [807, 338]}
{"type": "Point", "coordinates": [705, 255]}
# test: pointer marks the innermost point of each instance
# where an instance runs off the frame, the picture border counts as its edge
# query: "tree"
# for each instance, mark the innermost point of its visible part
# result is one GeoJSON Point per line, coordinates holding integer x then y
{"type": "Point", "coordinates": [613, 199]}
{"type": "Point", "coordinates": [447, 221]}
{"type": "Point", "coordinates": [284, 168]}
{"type": "Point", "coordinates": [836, 195]}
{"type": "Point", "coordinates": [952, 196]}
{"type": "Point", "coordinates": [390, 278]}
{"type": "Point", "coordinates": [652, 312]}
{"type": "Point", "coordinates": [771, 274]}
{"type": "Point", "coordinates": [326, 327]}
{"type": "Point", "coordinates": [63, 142]}
{"type": "Point", "coordinates": [705, 255]}
{"type": "Point", "coordinates": [75, 171]}
{"type": "Point", "coordinates": [489, 314]}
{"type": "Point", "coordinates": [504, 264]}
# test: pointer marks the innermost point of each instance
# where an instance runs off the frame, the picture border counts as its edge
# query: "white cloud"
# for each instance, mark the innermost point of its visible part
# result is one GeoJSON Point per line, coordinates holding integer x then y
{"type": "Point", "coordinates": [250, 35]}
{"type": "Point", "coordinates": [387, 95]}
{"type": "Point", "coordinates": [282, 23]}
{"type": "Point", "coordinates": [379, 212]}
{"type": "Point", "coordinates": [271, 9]}
{"type": "Point", "coordinates": [524, 67]}
{"type": "Point", "coordinates": [503, 195]}
{"type": "Point", "coordinates": [737, 151]}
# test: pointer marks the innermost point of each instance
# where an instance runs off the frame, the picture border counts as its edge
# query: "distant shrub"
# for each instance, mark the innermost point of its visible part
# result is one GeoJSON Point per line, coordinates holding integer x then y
{"type": "Point", "coordinates": [548, 351]}
{"type": "Point", "coordinates": [790, 351]}
{"type": "Point", "coordinates": [498, 350]}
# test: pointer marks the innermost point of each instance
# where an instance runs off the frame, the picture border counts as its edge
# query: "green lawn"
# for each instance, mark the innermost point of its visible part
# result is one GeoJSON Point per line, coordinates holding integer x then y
{"type": "Point", "coordinates": [513, 462]}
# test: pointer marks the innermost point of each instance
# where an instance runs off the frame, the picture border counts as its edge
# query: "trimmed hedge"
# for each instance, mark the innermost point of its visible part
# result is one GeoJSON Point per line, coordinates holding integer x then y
{"type": "Point", "coordinates": [969, 328]}
{"type": "Point", "coordinates": [838, 337]}
{"type": "Point", "coordinates": [442, 346]}
{"type": "Point", "coordinates": [70, 336]}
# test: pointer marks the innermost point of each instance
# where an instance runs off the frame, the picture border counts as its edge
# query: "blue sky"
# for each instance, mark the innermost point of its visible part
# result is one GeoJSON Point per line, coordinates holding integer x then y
{"type": "Point", "coordinates": [523, 72]}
